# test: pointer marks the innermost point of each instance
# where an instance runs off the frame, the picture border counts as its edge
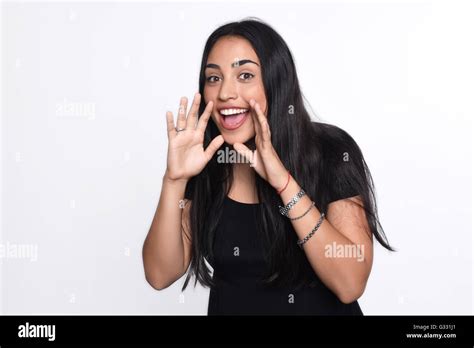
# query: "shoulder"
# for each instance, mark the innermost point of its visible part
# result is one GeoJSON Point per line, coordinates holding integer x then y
{"type": "Point", "coordinates": [330, 134]}
{"type": "Point", "coordinates": [342, 165]}
{"type": "Point", "coordinates": [336, 144]}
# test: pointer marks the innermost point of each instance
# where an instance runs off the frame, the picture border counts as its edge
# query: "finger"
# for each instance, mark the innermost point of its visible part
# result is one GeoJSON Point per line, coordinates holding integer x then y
{"type": "Point", "coordinates": [244, 151]}
{"type": "Point", "coordinates": [183, 104]}
{"type": "Point", "coordinates": [170, 124]}
{"type": "Point", "coordinates": [193, 112]}
{"type": "Point", "coordinates": [253, 113]}
{"type": "Point", "coordinates": [213, 147]}
{"type": "Point", "coordinates": [263, 122]}
{"type": "Point", "coordinates": [202, 124]}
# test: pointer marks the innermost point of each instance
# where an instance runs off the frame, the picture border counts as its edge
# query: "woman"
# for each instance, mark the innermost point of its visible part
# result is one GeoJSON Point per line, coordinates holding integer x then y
{"type": "Point", "coordinates": [292, 232]}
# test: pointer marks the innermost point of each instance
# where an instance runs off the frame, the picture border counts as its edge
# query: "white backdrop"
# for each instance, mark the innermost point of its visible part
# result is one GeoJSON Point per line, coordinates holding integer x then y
{"type": "Point", "coordinates": [85, 88]}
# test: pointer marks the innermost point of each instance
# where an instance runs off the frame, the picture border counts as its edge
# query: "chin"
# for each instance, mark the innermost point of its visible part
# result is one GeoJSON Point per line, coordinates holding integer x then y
{"type": "Point", "coordinates": [247, 138]}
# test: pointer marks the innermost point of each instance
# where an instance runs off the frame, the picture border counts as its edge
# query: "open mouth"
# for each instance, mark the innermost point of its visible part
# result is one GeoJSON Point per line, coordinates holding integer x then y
{"type": "Point", "coordinates": [233, 118]}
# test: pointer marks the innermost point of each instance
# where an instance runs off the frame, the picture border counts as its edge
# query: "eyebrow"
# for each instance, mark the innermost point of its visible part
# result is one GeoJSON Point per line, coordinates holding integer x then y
{"type": "Point", "coordinates": [233, 65]}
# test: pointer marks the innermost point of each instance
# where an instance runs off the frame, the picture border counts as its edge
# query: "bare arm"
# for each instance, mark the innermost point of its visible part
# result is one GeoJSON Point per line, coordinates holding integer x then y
{"type": "Point", "coordinates": [346, 228]}
{"type": "Point", "coordinates": [167, 247]}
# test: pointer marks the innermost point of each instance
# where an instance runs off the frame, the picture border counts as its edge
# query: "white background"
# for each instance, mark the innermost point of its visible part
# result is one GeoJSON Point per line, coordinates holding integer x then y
{"type": "Point", "coordinates": [83, 186]}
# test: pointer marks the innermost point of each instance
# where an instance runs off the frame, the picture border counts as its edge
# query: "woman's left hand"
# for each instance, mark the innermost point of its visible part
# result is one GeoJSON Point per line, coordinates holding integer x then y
{"type": "Point", "coordinates": [264, 159]}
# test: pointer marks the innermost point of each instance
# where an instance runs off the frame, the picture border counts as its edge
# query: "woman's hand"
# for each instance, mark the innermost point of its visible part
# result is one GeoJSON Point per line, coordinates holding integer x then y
{"type": "Point", "coordinates": [186, 154]}
{"type": "Point", "coordinates": [265, 159]}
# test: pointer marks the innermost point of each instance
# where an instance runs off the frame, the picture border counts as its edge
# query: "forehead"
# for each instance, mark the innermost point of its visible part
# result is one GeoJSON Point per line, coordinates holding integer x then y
{"type": "Point", "coordinates": [229, 49]}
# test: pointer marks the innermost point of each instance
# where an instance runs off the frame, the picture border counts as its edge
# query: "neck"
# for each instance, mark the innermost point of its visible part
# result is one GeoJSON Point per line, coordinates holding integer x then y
{"type": "Point", "coordinates": [244, 172]}
{"type": "Point", "coordinates": [243, 186]}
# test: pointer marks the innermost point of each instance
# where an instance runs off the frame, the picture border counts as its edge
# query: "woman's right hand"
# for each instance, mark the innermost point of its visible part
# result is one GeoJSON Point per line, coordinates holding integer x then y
{"type": "Point", "coordinates": [186, 154]}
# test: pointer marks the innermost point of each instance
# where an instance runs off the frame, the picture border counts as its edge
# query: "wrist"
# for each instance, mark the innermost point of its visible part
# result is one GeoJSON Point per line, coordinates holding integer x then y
{"type": "Point", "coordinates": [167, 179]}
{"type": "Point", "coordinates": [282, 182]}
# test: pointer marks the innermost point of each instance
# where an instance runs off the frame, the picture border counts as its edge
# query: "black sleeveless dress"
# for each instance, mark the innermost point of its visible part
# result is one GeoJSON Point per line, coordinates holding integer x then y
{"type": "Point", "coordinates": [239, 263]}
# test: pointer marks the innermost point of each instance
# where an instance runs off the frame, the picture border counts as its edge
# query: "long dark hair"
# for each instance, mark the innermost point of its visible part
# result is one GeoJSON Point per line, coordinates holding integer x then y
{"type": "Point", "coordinates": [322, 158]}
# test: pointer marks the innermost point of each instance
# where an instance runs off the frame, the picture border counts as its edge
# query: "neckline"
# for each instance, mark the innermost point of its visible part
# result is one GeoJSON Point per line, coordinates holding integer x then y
{"type": "Point", "coordinates": [241, 203]}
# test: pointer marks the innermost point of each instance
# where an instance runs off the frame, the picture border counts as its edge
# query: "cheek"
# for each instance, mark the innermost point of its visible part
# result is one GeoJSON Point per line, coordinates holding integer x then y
{"type": "Point", "coordinates": [259, 96]}
{"type": "Point", "coordinates": [205, 96]}
{"type": "Point", "coordinates": [257, 93]}
{"type": "Point", "coordinates": [209, 94]}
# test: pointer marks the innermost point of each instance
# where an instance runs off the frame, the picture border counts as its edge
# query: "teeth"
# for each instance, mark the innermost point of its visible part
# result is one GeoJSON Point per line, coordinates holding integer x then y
{"type": "Point", "coordinates": [227, 112]}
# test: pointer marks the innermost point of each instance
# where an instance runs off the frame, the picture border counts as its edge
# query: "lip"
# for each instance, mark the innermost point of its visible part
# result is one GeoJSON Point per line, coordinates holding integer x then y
{"type": "Point", "coordinates": [235, 126]}
{"type": "Point", "coordinates": [223, 107]}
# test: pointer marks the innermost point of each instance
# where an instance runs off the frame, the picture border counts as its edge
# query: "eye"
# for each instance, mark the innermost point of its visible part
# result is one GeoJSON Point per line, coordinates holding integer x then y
{"type": "Point", "coordinates": [246, 76]}
{"type": "Point", "coordinates": [212, 79]}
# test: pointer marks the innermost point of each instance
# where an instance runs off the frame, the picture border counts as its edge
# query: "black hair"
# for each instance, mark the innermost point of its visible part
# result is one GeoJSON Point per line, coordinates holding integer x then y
{"type": "Point", "coordinates": [324, 160]}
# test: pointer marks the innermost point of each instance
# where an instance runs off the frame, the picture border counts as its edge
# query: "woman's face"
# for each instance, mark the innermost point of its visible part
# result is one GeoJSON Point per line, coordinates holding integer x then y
{"type": "Point", "coordinates": [233, 78]}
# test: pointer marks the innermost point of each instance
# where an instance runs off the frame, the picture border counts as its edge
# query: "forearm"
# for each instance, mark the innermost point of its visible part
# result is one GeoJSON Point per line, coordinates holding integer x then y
{"type": "Point", "coordinates": [345, 276]}
{"type": "Point", "coordinates": [163, 251]}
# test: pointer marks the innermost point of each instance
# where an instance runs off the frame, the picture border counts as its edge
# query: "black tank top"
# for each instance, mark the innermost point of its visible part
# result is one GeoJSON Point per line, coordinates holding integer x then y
{"type": "Point", "coordinates": [239, 264]}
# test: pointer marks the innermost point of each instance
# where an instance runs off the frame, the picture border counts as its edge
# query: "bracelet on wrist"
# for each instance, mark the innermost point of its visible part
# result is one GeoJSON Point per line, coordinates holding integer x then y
{"type": "Point", "coordinates": [284, 210]}
{"type": "Point", "coordinates": [302, 215]}
{"type": "Point", "coordinates": [310, 234]}
{"type": "Point", "coordinates": [286, 185]}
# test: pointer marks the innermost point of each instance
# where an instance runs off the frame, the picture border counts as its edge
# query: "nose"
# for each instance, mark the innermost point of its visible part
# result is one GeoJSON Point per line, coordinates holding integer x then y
{"type": "Point", "coordinates": [228, 90]}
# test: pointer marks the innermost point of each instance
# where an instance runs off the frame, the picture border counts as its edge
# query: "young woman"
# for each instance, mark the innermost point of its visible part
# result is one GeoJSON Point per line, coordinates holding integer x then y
{"type": "Point", "coordinates": [288, 232]}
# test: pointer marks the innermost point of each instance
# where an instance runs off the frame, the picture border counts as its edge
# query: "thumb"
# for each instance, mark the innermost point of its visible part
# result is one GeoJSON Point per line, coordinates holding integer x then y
{"type": "Point", "coordinates": [213, 147]}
